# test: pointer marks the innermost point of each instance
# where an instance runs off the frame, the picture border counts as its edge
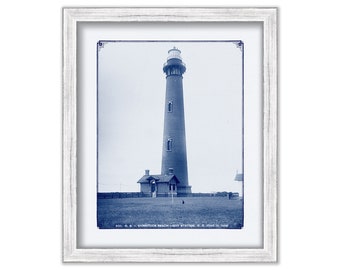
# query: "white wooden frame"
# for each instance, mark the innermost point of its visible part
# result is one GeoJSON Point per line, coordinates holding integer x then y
{"type": "Point", "coordinates": [268, 16]}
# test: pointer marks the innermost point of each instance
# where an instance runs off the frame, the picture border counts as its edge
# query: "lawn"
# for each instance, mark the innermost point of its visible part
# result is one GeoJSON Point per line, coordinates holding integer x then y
{"type": "Point", "coordinates": [195, 212]}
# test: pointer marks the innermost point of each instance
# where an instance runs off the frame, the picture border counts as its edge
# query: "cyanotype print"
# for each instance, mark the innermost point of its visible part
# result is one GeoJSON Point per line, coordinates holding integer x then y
{"type": "Point", "coordinates": [170, 134]}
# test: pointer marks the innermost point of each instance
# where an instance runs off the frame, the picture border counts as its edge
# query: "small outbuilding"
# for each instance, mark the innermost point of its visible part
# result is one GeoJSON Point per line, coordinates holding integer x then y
{"type": "Point", "coordinates": [158, 185]}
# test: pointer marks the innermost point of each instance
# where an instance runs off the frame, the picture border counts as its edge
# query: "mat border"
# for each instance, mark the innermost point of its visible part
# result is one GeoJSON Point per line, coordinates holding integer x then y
{"type": "Point", "coordinates": [72, 16]}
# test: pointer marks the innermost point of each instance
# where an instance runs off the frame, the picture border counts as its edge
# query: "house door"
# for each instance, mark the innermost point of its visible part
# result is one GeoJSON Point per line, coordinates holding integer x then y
{"type": "Point", "coordinates": [153, 189]}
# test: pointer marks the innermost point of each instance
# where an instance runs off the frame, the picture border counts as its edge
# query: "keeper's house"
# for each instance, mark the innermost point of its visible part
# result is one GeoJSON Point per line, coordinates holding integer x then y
{"type": "Point", "coordinates": [158, 185]}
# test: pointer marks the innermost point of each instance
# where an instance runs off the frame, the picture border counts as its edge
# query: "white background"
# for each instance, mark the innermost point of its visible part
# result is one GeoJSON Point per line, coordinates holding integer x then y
{"type": "Point", "coordinates": [88, 233]}
{"type": "Point", "coordinates": [30, 104]}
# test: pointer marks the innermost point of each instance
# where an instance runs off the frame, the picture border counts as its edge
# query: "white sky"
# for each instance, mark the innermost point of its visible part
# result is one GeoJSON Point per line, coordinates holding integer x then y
{"type": "Point", "coordinates": [131, 96]}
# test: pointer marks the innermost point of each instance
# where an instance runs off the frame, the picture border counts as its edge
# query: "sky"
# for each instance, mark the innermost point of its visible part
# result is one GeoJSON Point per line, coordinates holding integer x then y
{"type": "Point", "coordinates": [131, 102]}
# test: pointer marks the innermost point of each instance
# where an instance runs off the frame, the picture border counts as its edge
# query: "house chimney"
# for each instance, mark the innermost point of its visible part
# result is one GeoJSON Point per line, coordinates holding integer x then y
{"type": "Point", "coordinates": [171, 171]}
{"type": "Point", "coordinates": [147, 172]}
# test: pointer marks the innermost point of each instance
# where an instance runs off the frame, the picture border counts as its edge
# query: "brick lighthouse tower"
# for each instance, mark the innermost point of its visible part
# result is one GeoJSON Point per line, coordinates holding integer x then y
{"type": "Point", "coordinates": [174, 156]}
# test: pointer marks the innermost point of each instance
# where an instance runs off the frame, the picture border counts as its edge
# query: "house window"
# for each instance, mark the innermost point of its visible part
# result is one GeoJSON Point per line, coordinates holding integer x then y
{"type": "Point", "coordinates": [169, 145]}
{"type": "Point", "coordinates": [170, 106]}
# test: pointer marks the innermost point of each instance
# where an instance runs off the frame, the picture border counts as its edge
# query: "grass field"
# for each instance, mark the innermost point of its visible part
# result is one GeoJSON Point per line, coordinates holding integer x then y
{"type": "Point", "coordinates": [196, 212]}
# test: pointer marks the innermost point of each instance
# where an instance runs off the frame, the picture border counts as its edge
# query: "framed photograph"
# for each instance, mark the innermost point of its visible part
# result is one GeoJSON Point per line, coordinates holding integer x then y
{"type": "Point", "coordinates": [170, 134]}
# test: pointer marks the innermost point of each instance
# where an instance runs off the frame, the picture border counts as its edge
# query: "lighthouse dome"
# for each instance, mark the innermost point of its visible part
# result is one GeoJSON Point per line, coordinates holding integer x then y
{"type": "Point", "coordinates": [174, 53]}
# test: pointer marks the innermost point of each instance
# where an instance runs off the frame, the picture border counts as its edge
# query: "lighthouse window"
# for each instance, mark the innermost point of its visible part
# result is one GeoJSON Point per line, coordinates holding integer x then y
{"type": "Point", "coordinates": [169, 145]}
{"type": "Point", "coordinates": [174, 71]}
{"type": "Point", "coordinates": [170, 106]}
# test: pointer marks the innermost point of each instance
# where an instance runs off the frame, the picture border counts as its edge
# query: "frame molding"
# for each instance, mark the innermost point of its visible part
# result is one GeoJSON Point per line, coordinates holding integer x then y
{"type": "Point", "coordinates": [71, 16]}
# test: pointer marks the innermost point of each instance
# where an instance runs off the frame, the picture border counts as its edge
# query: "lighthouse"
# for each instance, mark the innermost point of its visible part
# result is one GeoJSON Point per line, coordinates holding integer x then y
{"type": "Point", "coordinates": [173, 180]}
{"type": "Point", "coordinates": [174, 155]}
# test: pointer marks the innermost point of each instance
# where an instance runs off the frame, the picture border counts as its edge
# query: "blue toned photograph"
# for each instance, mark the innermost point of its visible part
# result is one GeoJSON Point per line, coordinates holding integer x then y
{"type": "Point", "coordinates": [170, 134]}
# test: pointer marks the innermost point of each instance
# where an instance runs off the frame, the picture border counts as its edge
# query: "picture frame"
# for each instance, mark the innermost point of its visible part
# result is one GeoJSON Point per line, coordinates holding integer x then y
{"type": "Point", "coordinates": [73, 150]}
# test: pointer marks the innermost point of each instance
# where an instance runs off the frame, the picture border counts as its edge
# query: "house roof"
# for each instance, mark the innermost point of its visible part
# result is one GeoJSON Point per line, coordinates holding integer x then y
{"type": "Point", "coordinates": [239, 177]}
{"type": "Point", "coordinates": [159, 178]}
